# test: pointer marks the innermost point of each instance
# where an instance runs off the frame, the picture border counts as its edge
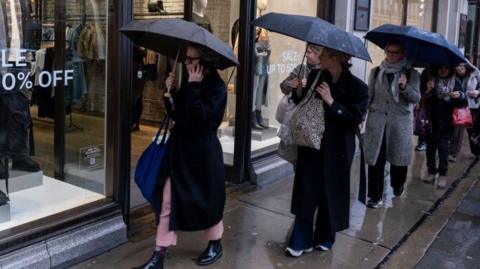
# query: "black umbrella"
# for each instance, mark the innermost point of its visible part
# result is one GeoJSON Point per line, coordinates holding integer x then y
{"type": "Point", "coordinates": [316, 31]}
{"type": "Point", "coordinates": [421, 46]}
{"type": "Point", "coordinates": [167, 36]}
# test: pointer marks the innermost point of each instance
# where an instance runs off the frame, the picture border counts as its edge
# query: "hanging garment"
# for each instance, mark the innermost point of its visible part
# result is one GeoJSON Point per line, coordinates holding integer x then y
{"type": "Point", "coordinates": [91, 45]}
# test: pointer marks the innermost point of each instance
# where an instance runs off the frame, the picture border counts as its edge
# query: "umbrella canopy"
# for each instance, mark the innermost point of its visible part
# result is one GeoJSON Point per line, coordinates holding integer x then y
{"type": "Point", "coordinates": [316, 31]}
{"type": "Point", "coordinates": [167, 36]}
{"type": "Point", "coordinates": [422, 46]}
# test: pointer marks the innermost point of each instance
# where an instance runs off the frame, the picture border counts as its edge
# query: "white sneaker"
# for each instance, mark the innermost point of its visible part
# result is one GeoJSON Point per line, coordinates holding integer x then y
{"type": "Point", "coordinates": [442, 182]}
{"type": "Point", "coordinates": [297, 253]}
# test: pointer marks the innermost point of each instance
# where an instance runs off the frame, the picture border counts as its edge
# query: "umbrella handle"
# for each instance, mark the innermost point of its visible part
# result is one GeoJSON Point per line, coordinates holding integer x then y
{"type": "Point", "coordinates": [175, 66]}
{"type": "Point", "coordinates": [303, 60]}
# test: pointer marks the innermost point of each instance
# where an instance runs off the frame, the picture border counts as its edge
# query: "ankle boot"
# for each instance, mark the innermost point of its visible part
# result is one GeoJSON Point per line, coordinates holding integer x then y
{"type": "Point", "coordinates": [155, 262]}
{"type": "Point", "coordinates": [3, 198]}
{"type": "Point", "coordinates": [258, 116]}
{"type": "Point", "coordinates": [255, 124]}
{"type": "Point", "coordinates": [27, 165]}
{"type": "Point", "coordinates": [3, 171]}
{"type": "Point", "coordinates": [211, 254]}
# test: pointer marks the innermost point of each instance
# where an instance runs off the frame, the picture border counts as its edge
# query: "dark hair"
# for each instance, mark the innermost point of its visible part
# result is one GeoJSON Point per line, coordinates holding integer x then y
{"type": "Point", "coordinates": [436, 67]}
{"type": "Point", "coordinates": [208, 58]}
{"type": "Point", "coordinates": [396, 42]}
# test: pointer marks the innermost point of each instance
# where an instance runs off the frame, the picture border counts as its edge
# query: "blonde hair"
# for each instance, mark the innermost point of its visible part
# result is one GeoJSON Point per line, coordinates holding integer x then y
{"type": "Point", "coordinates": [316, 48]}
{"type": "Point", "coordinates": [339, 56]}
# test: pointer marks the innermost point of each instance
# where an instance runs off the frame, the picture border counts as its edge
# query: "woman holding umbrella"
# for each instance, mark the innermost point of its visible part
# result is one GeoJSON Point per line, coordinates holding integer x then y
{"type": "Point", "coordinates": [322, 177]}
{"type": "Point", "coordinates": [443, 93]}
{"type": "Point", "coordinates": [470, 77]}
{"type": "Point", "coordinates": [193, 195]}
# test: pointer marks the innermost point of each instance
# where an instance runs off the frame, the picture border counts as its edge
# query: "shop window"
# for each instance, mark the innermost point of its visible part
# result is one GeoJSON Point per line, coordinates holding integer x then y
{"type": "Point", "coordinates": [42, 182]}
{"type": "Point", "coordinates": [275, 57]}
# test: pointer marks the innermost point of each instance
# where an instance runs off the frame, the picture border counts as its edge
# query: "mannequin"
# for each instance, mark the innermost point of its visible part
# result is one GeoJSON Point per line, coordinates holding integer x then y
{"type": "Point", "coordinates": [199, 16]}
{"type": "Point", "coordinates": [262, 54]}
{"type": "Point", "coordinates": [15, 121]}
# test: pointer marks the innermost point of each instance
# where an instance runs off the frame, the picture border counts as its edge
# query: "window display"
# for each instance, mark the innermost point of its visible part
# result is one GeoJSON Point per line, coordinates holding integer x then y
{"type": "Point", "coordinates": [275, 58]}
{"type": "Point", "coordinates": [34, 185]}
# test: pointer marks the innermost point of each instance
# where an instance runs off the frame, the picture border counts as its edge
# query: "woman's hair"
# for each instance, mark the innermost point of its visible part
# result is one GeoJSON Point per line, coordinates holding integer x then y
{"type": "Point", "coordinates": [314, 47]}
{"type": "Point", "coordinates": [208, 58]}
{"type": "Point", "coordinates": [435, 68]}
{"type": "Point", "coordinates": [396, 42]}
{"type": "Point", "coordinates": [340, 57]}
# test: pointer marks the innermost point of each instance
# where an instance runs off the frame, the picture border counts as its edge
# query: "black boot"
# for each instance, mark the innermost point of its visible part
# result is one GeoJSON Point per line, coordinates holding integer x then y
{"type": "Point", "coordinates": [258, 116]}
{"type": "Point", "coordinates": [3, 171]}
{"type": "Point", "coordinates": [27, 165]}
{"type": "Point", "coordinates": [155, 262]}
{"type": "Point", "coordinates": [3, 198]}
{"type": "Point", "coordinates": [255, 124]}
{"type": "Point", "coordinates": [211, 254]}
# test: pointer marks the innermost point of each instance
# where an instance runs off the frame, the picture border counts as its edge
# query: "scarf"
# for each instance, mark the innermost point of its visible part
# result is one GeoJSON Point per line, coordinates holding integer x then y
{"type": "Point", "coordinates": [396, 69]}
{"type": "Point", "coordinates": [444, 86]}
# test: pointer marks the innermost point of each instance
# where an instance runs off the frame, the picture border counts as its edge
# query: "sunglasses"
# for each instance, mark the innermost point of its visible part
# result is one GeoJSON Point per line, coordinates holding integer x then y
{"type": "Point", "coordinates": [189, 60]}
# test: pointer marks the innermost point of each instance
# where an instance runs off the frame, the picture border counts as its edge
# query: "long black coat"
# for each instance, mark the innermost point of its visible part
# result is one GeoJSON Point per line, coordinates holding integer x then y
{"type": "Point", "coordinates": [194, 155]}
{"type": "Point", "coordinates": [332, 163]}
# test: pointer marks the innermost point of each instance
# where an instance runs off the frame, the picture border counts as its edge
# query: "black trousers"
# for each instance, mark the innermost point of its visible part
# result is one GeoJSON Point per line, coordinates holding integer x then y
{"type": "Point", "coordinates": [303, 235]}
{"type": "Point", "coordinates": [438, 142]}
{"type": "Point", "coordinates": [376, 175]}
{"type": "Point", "coordinates": [14, 123]}
{"type": "Point", "coordinates": [474, 132]}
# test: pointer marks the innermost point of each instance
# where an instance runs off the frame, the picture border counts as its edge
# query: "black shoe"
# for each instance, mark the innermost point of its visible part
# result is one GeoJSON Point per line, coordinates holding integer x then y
{"type": "Point", "coordinates": [155, 262]}
{"type": "Point", "coordinates": [374, 203]}
{"type": "Point", "coordinates": [3, 198]}
{"type": "Point", "coordinates": [211, 254]}
{"type": "Point", "coordinates": [27, 165]}
{"type": "Point", "coordinates": [258, 116]}
{"type": "Point", "coordinates": [3, 171]}
{"type": "Point", "coordinates": [255, 124]}
{"type": "Point", "coordinates": [398, 191]}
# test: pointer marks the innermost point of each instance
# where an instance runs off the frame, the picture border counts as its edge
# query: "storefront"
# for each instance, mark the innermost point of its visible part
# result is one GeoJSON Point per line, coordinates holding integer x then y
{"type": "Point", "coordinates": [79, 103]}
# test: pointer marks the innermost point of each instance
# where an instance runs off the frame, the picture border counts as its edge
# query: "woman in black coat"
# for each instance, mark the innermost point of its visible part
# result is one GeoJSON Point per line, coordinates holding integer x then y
{"type": "Point", "coordinates": [192, 183]}
{"type": "Point", "coordinates": [322, 177]}
{"type": "Point", "coordinates": [444, 91]}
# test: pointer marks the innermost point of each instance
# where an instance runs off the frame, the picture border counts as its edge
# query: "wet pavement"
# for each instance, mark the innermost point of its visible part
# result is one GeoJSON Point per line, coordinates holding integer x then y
{"type": "Point", "coordinates": [458, 244]}
{"type": "Point", "coordinates": [258, 221]}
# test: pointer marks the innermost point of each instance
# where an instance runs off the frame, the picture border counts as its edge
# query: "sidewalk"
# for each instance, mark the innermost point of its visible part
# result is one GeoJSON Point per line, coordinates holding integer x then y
{"type": "Point", "coordinates": [257, 223]}
{"type": "Point", "coordinates": [458, 244]}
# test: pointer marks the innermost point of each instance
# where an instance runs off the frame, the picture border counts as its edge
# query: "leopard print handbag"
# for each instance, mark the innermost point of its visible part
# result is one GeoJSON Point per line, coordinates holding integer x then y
{"type": "Point", "coordinates": [308, 121]}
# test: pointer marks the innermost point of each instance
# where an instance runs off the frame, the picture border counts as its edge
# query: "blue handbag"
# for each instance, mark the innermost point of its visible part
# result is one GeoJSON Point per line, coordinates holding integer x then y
{"type": "Point", "coordinates": [148, 166]}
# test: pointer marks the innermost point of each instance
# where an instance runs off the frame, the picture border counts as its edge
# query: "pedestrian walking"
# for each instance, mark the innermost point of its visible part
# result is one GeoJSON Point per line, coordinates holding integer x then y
{"type": "Point", "coordinates": [322, 176]}
{"type": "Point", "coordinates": [443, 93]}
{"type": "Point", "coordinates": [470, 77]}
{"type": "Point", "coordinates": [193, 179]}
{"type": "Point", "coordinates": [393, 92]}
{"type": "Point", "coordinates": [424, 78]}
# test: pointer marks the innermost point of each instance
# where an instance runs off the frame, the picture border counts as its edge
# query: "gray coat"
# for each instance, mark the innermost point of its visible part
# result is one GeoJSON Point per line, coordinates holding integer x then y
{"type": "Point", "coordinates": [385, 116]}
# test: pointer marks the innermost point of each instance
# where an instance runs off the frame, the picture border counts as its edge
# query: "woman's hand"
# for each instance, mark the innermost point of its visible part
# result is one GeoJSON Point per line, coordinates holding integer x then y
{"type": "Point", "coordinates": [294, 83]}
{"type": "Point", "coordinates": [170, 81]}
{"type": "Point", "coordinates": [324, 91]}
{"type": "Point", "coordinates": [473, 93]}
{"type": "Point", "coordinates": [402, 81]}
{"type": "Point", "coordinates": [196, 74]}
{"type": "Point", "coordinates": [455, 95]}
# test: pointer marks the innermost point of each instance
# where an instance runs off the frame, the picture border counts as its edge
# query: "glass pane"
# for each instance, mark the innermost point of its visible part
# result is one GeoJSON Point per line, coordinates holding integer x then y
{"type": "Point", "coordinates": [382, 14]}
{"type": "Point", "coordinates": [420, 13]}
{"type": "Point", "coordinates": [222, 19]}
{"type": "Point", "coordinates": [27, 98]}
{"type": "Point", "coordinates": [149, 73]}
{"type": "Point", "coordinates": [276, 56]}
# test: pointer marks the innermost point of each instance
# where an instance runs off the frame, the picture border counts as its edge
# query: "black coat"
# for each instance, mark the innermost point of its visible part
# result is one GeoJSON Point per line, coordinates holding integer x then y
{"type": "Point", "coordinates": [441, 111]}
{"type": "Point", "coordinates": [332, 163]}
{"type": "Point", "coordinates": [194, 155]}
